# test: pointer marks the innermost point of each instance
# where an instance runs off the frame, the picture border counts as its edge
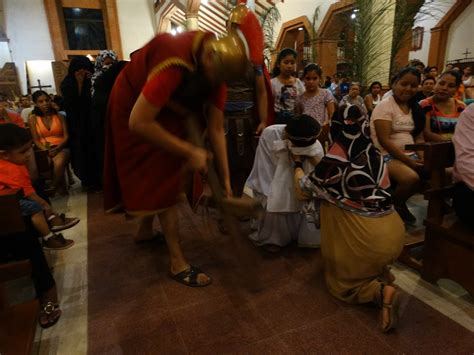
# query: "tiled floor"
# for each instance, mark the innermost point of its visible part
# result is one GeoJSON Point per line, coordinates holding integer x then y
{"type": "Point", "coordinates": [69, 336]}
{"type": "Point", "coordinates": [117, 299]}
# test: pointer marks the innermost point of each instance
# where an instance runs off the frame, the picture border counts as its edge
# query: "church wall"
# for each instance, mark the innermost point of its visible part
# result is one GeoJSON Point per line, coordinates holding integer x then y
{"type": "Point", "coordinates": [437, 9]}
{"type": "Point", "coordinates": [5, 55]}
{"type": "Point", "coordinates": [290, 10]}
{"type": "Point", "coordinates": [460, 35]}
{"type": "Point", "coordinates": [27, 29]}
{"type": "Point", "coordinates": [137, 24]}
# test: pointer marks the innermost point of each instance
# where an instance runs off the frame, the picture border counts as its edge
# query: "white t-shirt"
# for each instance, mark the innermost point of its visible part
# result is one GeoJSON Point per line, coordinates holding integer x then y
{"type": "Point", "coordinates": [25, 113]}
{"type": "Point", "coordinates": [285, 96]}
{"type": "Point", "coordinates": [387, 94]}
{"type": "Point", "coordinates": [402, 124]}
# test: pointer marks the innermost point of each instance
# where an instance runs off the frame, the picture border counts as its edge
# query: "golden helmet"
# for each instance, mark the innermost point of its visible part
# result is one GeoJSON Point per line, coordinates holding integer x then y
{"type": "Point", "coordinates": [238, 13]}
{"type": "Point", "coordinates": [230, 55]}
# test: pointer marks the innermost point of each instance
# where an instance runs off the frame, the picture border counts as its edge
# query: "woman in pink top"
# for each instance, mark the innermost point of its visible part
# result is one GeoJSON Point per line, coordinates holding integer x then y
{"type": "Point", "coordinates": [396, 122]}
{"type": "Point", "coordinates": [463, 174]}
{"type": "Point", "coordinates": [49, 132]}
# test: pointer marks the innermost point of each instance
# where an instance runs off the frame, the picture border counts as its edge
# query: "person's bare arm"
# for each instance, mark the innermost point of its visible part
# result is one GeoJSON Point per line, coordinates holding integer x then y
{"type": "Point", "coordinates": [217, 137]}
{"type": "Point", "coordinates": [142, 122]}
{"type": "Point", "coordinates": [262, 101]}
{"type": "Point", "coordinates": [331, 108]}
{"type": "Point", "coordinates": [428, 134]}
{"type": "Point", "coordinates": [368, 101]}
{"type": "Point", "coordinates": [383, 129]}
{"type": "Point", "coordinates": [34, 133]}
{"type": "Point", "coordinates": [298, 175]}
{"type": "Point", "coordinates": [420, 139]}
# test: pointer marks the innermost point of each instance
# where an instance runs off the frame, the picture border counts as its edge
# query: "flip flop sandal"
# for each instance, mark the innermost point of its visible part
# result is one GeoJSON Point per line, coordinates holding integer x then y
{"type": "Point", "coordinates": [192, 275]}
{"type": "Point", "coordinates": [47, 309]}
{"type": "Point", "coordinates": [393, 309]}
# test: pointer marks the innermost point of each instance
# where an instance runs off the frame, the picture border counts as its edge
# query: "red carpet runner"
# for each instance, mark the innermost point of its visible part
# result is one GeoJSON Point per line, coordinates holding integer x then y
{"type": "Point", "coordinates": [134, 308]}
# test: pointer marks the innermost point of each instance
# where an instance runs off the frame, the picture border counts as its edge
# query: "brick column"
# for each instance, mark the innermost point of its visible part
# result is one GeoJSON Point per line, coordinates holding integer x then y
{"type": "Point", "coordinates": [327, 55]}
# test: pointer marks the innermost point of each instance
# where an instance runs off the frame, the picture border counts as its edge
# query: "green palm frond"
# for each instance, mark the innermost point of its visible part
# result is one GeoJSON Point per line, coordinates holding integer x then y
{"type": "Point", "coordinates": [314, 32]}
{"type": "Point", "coordinates": [268, 20]}
{"type": "Point", "coordinates": [370, 31]}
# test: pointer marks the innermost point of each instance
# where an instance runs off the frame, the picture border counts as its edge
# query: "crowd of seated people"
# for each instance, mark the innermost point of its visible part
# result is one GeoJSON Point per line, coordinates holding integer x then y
{"type": "Point", "coordinates": [369, 135]}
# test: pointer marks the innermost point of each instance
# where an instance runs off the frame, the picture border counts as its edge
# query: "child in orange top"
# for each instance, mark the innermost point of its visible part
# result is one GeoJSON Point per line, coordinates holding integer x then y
{"type": "Point", "coordinates": [49, 132]}
{"type": "Point", "coordinates": [15, 148]}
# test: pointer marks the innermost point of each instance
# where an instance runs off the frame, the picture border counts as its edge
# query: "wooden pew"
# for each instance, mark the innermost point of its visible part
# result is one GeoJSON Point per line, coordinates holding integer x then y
{"type": "Point", "coordinates": [449, 245]}
{"type": "Point", "coordinates": [18, 322]}
{"type": "Point", "coordinates": [43, 163]}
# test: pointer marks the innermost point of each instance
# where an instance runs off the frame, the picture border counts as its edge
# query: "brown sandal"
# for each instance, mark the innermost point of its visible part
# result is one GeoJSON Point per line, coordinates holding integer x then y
{"type": "Point", "coordinates": [393, 311]}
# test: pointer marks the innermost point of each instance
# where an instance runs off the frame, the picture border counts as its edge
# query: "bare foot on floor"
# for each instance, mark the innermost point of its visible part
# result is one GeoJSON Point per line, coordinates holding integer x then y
{"type": "Point", "coordinates": [390, 308]}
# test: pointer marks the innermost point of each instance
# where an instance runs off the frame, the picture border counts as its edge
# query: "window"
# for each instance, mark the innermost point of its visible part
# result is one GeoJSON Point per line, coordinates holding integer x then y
{"type": "Point", "coordinates": [81, 27]}
{"type": "Point", "coordinates": [84, 28]}
{"type": "Point", "coordinates": [417, 38]}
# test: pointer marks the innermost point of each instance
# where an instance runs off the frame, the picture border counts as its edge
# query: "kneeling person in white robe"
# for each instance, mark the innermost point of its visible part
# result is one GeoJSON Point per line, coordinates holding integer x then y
{"type": "Point", "coordinates": [286, 219]}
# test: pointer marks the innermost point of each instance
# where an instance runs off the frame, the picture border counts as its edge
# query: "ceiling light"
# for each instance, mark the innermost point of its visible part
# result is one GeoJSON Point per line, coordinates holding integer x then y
{"type": "Point", "coordinates": [300, 28]}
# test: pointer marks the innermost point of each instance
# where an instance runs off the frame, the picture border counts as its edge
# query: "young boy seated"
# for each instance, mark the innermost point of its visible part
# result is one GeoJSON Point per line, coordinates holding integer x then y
{"type": "Point", "coordinates": [286, 218]}
{"type": "Point", "coordinates": [15, 150]}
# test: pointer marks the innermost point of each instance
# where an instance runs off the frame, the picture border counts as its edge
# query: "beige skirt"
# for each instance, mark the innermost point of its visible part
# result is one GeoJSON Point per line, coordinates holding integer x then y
{"type": "Point", "coordinates": [356, 249]}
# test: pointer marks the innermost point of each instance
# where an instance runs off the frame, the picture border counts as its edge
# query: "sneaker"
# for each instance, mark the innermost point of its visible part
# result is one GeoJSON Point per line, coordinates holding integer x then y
{"type": "Point", "coordinates": [57, 242]}
{"type": "Point", "coordinates": [405, 214]}
{"type": "Point", "coordinates": [61, 222]}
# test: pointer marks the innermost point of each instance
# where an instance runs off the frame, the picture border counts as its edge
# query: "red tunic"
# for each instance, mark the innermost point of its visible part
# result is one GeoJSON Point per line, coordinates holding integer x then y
{"type": "Point", "coordinates": [139, 176]}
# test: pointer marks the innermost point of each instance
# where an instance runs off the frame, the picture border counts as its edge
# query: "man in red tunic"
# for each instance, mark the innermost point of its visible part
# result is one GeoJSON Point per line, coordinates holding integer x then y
{"type": "Point", "coordinates": [146, 150]}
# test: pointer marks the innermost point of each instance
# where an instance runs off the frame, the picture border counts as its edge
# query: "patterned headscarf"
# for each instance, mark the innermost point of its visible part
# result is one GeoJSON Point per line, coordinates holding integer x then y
{"type": "Point", "coordinates": [353, 173]}
{"type": "Point", "coordinates": [99, 65]}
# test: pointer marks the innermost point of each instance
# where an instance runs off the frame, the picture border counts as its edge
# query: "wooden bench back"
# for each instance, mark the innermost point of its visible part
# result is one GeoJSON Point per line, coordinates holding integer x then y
{"type": "Point", "coordinates": [11, 220]}
{"type": "Point", "coordinates": [42, 161]}
{"type": "Point", "coordinates": [18, 322]}
{"type": "Point", "coordinates": [438, 157]}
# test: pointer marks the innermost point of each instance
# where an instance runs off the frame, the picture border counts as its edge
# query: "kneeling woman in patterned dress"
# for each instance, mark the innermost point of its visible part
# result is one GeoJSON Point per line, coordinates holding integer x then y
{"type": "Point", "coordinates": [361, 234]}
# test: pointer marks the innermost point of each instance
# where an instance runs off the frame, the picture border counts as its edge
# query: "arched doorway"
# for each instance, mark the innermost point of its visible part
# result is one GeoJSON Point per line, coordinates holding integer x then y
{"type": "Point", "coordinates": [334, 39]}
{"type": "Point", "coordinates": [296, 34]}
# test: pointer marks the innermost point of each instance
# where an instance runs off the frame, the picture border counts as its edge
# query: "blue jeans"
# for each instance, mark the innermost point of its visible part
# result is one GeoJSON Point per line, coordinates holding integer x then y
{"type": "Point", "coordinates": [387, 157]}
{"type": "Point", "coordinates": [29, 207]}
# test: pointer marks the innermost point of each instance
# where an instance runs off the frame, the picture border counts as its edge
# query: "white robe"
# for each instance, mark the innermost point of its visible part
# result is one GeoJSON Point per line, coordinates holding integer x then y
{"type": "Point", "coordinates": [272, 182]}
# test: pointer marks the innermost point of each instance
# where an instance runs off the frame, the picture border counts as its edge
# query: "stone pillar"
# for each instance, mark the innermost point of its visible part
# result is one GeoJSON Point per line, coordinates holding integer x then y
{"type": "Point", "coordinates": [192, 17]}
{"type": "Point", "coordinates": [192, 21]}
{"type": "Point", "coordinates": [327, 53]}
